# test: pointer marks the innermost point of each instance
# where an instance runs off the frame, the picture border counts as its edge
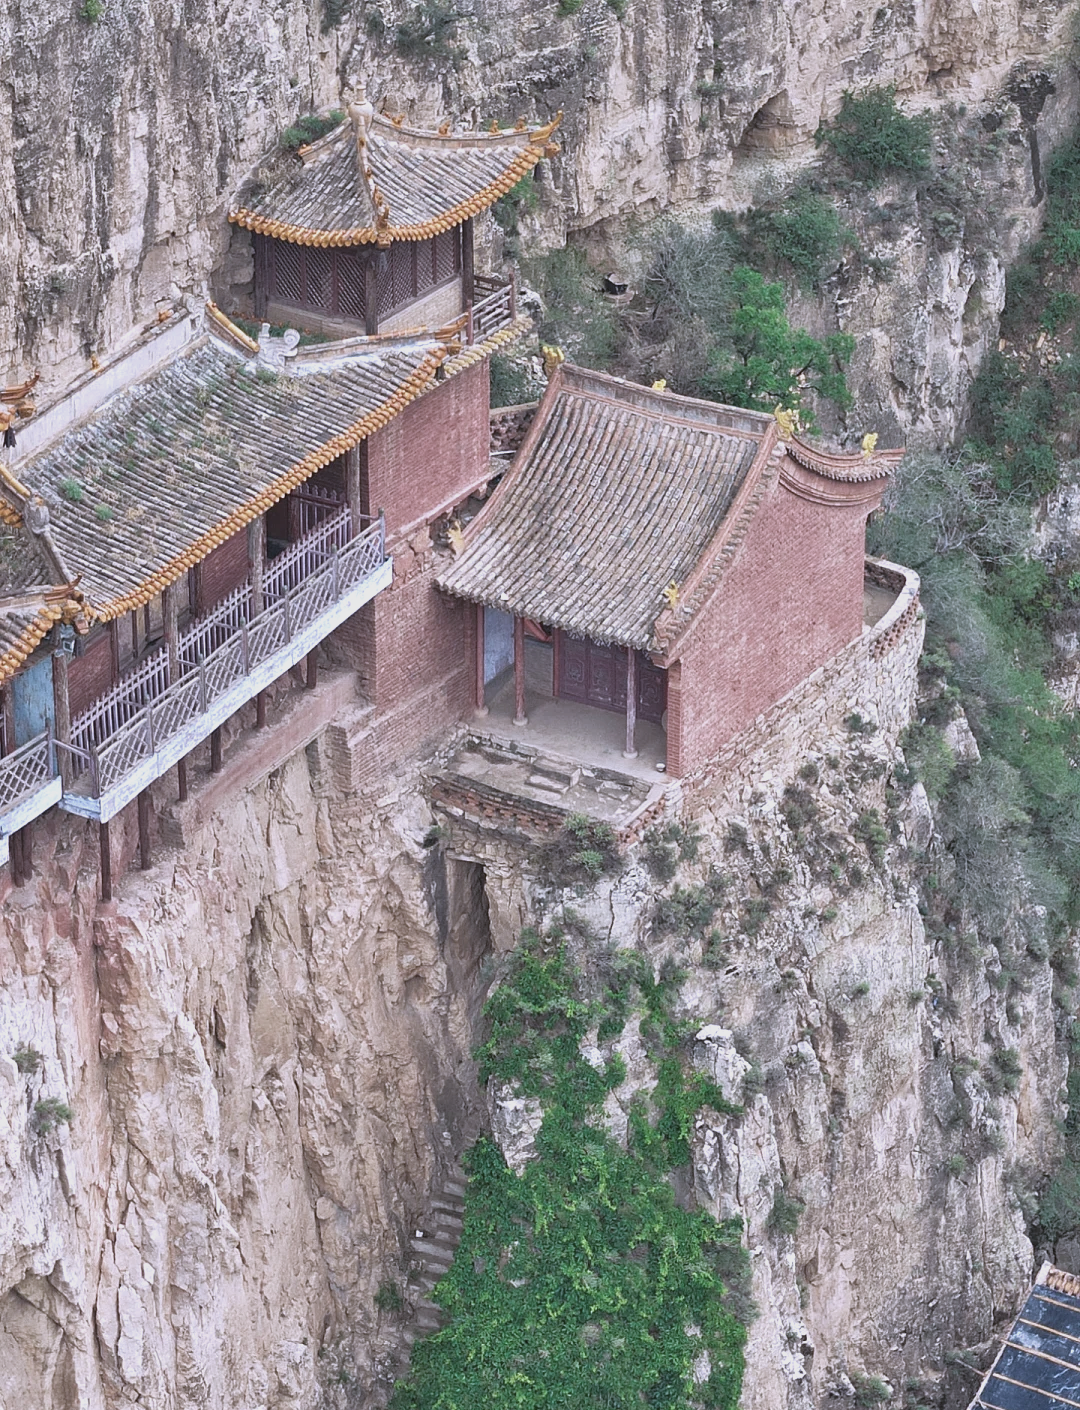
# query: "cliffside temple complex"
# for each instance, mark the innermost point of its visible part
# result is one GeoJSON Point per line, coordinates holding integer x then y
{"type": "Point", "coordinates": [577, 603]}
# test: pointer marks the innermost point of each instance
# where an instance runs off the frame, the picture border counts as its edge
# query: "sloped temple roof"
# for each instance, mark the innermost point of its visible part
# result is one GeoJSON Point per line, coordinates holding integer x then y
{"type": "Point", "coordinates": [171, 467]}
{"type": "Point", "coordinates": [1038, 1366]}
{"type": "Point", "coordinates": [616, 492]}
{"type": "Point", "coordinates": [372, 180]}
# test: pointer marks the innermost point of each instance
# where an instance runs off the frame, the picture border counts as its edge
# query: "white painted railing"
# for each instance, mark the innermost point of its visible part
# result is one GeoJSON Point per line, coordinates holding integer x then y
{"type": "Point", "coordinates": [289, 569]}
{"type": "Point", "coordinates": [23, 772]}
{"type": "Point", "coordinates": [245, 648]}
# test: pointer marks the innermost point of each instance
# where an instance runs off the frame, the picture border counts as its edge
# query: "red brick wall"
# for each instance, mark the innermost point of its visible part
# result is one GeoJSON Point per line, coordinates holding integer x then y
{"type": "Point", "coordinates": [414, 649]}
{"type": "Point", "coordinates": [791, 599]}
{"type": "Point", "coordinates": [433, 452]}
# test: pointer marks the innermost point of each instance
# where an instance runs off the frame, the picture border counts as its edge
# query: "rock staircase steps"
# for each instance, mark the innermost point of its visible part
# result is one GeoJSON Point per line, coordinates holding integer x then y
{"type": "Point", "coordinates": [431, 1252]}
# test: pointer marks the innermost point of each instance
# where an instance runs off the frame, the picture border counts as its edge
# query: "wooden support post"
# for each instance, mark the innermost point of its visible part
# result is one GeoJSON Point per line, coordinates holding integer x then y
{"type": "Point", "coordinates": [145, 860]}
{"type": "Point", "coordinates": [181, 780]}
{"type": "Point", "coordinates": [311, 679]}
{"type": "Point", "coordinates": [468, 265]}
{"type": "Point", "coordinates": [520, 717]}
{"type": "Point", "coordinates": [352, 489]}
{"type": "Point", "coordinates": [215, 750]}
{"type": "Point", "coordinates": [170, 630]}
{"type": "Point", "coordinates": [135, 634]}
{"type": "Point", "coordinates": [376, 262]}
{"type": "Point", "coordinates": [630, 752]}
{"type": "Point", "coordinates": [260, 710]}
{"type": "Point", "coordinates": [256, 551]}
{"type": "Point", "coordinates": [19, 854]}
{"type": "Point", "coordinates": [62, 713]}
{"type": "Point", "coordinates": [114, 648]}
{"type": "Point", "coordinates": [481, 706]}
{"type": "Point", "coordinates": [106, 861]}
{"type": "Point", "coordinates": [556, 661]}
{"type": "Point", "coordinates": [195, 589]}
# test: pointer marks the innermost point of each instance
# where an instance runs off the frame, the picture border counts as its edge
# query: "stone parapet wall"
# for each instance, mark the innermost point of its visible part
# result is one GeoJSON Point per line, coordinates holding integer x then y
{"type": "Point", "coordinates": [875, 677]}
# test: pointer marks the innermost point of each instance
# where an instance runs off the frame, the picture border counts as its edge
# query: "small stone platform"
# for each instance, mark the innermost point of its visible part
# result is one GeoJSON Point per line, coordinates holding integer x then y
{"type": "Point", "coordinates": [500, 784]}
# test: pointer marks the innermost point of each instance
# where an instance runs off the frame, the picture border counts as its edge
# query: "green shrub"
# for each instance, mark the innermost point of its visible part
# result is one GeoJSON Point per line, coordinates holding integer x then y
{"type": "Point", "coordinates": [1059, 1207]}
{"type": "Point", "coordinates": [804, 234]}
{"type": "Point", "coordinates": [576, 317]}
{"type": "Point", "coordinates": [1060, 307]}
{"type": "Point", "coordinates": [388, 1297]}
{"type": "Point", "coordinates": [689, 909]}
{"type": "Point", "coordinates": [72, 491]}
{"type": "Point", "coordinates": [869, 1390]}
{"type": "Point", "coordinates": [92, 10]}
{"type": "Point", "coordinates": [584, 850]}
{"type": "Point", "coordinates": [511, 382]}
{"type": "Point", "coordinates": [785, 1213]}
{"type": "Point", "coordinates": [872, 833]}
{"type": "Point", "coordinates": [955, 1166]}
{"type": "Point", "coordinates": [26, 1059]}
{"type": "Point", "coordinates": [427, 31]}
{"type": "Point", "coordinates": [931, 760]}
{"type": "Point", "coordinates": [576, 1282]}
{"type": "Point", "coordinates": [764, 362]}
{"type": "Point", "coordinates": [49, 1113]}
{"type": "Point", "coordinates": [874, 139]}
{"type": "Point", "coordinates": [103, 513]}
{"type": "Point", "coordinates": [309, 129]}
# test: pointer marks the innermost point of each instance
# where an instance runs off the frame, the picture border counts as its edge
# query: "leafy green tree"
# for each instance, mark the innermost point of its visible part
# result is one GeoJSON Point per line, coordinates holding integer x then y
{"type": "Point", "coordinates": [803, 234]}
{"type": "Point", "coordinates": [874, 139]}
{"type": "Point", "coordinates": [766, 362]}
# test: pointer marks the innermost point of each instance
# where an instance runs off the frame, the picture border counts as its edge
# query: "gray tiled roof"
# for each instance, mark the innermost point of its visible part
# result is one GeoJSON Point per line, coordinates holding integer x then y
{"type": "Point", "coordinates": [166, 470]}
{"type": "Point", "coordinates": [617, 491]}
{"type": "Point", "coordinates": [425, 183]}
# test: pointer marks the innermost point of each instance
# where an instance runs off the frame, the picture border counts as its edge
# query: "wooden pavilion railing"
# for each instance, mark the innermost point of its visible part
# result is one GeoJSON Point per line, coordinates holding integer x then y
{"type": "Point", "coordinates": [23, 772]}
{"type": "Point", "coordinates": [145, 709]}
{"type": "Point", "coordinates": [494, 307]}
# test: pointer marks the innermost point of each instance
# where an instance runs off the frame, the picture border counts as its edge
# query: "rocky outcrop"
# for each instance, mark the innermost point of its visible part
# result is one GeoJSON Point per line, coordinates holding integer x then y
{"type": "Point", "coordinates": [267, 1069]}
{"type": "Point", "coordinates": [127, 128]}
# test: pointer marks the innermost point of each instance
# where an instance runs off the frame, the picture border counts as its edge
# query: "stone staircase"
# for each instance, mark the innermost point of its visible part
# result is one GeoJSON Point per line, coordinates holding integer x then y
{"type": "Point", "coordinates": [432, 1250]}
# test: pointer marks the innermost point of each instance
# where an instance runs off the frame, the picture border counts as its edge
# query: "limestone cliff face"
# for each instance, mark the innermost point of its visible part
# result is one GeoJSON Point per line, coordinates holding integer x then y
{"type": "Point", "coordinates": [124, 139]}
{"type": "Point", "coordinates": [265, 1046]}
{"type": "Point", "coordinates": [267, 1060]}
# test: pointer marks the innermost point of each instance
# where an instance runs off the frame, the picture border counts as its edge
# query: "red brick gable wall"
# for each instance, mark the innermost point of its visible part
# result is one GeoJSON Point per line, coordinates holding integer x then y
{"type": "Point", "coordinates": [430, 456]}
{"type": "Point", "coordinates": [792, 598]}
{"type": "Point", "coordinates": [414, 649]}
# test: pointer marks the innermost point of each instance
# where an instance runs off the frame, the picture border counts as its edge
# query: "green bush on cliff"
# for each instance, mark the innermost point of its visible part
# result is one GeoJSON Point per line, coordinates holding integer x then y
{"type": "Point", "coordinates": [582, 1282]}
{"type": "Point", "coordinates": [874, 139]}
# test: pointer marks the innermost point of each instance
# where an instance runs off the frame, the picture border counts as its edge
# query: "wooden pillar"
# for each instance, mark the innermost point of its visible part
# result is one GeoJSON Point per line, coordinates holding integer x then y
{"type": "Point", "coordinates": [114, 648]}
{"type": "Point", "coordinates": [468, 267]}
{"type": "Point", "coordinates": [195, 589]}
{"type": "Point", "coordinates": [181, 779]}
{"type": "Point", "coordinates": [61, 713]}
{"type": "Point", "coordinates": [311, 679]}
{"type": "Point", "coordinates": [106, 861]}
{"type": "Point", "coordinates": [481, 707]}
{"type": "Point", "coordinates": [260, 710]}
{"type": "Point", "coordinates": [20, 851]}
{"type": "Point", "coordinates": [145, 859]}
{"type": "Point", "coordinates": [215, 750]}
{"type": "Point", "coordinates": [256, 553]}
{"type": "Point", "coordinates": [630, 752]}
{"type": "Point", "coordinates": [135, 634]}
{"type": "Point", "coordinates": [520, 717]}
{"type": "Point", "coordinates": [170, 630]}
{"type": "Point", "coordinates": [352, 489]}
{"type": "Point", "coordinates": [556, 661]}
{"type": "Point", "coordinates": [372, 283]}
